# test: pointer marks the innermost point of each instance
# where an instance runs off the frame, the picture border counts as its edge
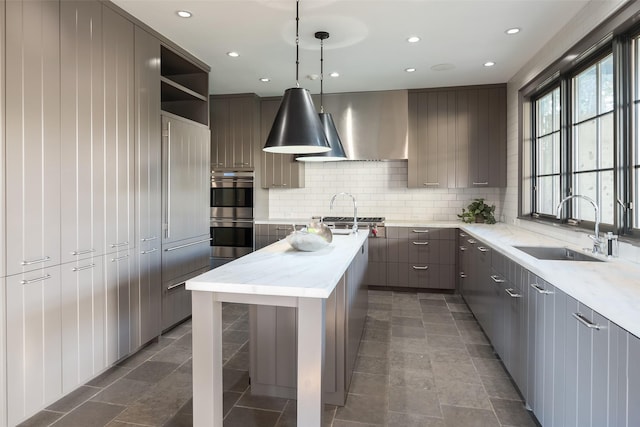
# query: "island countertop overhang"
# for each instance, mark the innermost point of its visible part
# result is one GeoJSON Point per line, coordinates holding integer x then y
{"type": "Point", "coordinates": [280, 270]}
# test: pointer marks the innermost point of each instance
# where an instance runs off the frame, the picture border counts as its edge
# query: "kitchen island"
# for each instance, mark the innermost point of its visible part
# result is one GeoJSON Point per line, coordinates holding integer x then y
{"type": "Point", "coordinates": [276, 275]}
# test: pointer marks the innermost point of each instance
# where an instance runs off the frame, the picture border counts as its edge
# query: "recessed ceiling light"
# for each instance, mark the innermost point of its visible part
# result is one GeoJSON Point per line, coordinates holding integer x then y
{"type": "Point", "coordinates": [335, 74]}
{"type": "Point", "coordinates": [233, 54]}
{"type": "Point", "coordinates": [489, 64]}
{"type": "Point", "coordinates": [413, 39]}
{"type": "Point", "coordinates": [265, 79]}
{"type": "Point", "coordinates": [409, 70]}
{"type": "Point", "coordinates": [184, 14]}
{"type": "Point", "coordinates": [512, 31]}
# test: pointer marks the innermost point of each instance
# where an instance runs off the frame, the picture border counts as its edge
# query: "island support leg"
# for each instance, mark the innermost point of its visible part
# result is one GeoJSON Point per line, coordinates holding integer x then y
{"type": "Point", "coordinates": [311, 337]}
{"type": "Point", "coordinates": [207, 360]}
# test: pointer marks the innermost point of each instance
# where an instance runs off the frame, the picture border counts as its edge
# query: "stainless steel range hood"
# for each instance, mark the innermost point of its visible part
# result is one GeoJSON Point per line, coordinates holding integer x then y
{"type": "Point", "coordinates": [372, 125]}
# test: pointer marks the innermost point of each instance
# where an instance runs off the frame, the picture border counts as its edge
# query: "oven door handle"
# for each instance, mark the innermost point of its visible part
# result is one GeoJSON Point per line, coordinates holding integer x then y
{"type": "Point", "coordinates": [233, 221]}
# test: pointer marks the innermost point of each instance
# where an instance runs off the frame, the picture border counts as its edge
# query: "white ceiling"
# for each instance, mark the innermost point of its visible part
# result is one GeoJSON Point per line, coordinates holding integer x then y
{"type": "Point", "coordinates": [367, 45]}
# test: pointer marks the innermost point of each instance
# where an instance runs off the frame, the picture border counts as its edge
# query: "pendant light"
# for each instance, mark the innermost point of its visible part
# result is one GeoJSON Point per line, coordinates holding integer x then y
{"type": "Point", "coordinates": [336, 152]}
{"type": "Point", "coordinates": [296, 128]}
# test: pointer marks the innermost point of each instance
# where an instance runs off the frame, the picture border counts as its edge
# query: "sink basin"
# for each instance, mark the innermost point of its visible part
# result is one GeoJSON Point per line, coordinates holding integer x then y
{"type": "Point", "coordinates": [556, 254]}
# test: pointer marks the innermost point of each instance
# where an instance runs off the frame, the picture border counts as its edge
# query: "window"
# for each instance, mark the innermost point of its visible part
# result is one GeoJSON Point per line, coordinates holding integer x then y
{"type": "Point", "coordinates": [592, 145]}
{"type": "Point", "coordinates": [635, 152]}
{"type": "Point", "coordinates": [547, 153]}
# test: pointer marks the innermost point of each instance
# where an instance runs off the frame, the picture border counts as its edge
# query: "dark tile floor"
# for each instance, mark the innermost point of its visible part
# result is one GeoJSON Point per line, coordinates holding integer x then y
{"type": "Point", "coordinates": [423, 361]}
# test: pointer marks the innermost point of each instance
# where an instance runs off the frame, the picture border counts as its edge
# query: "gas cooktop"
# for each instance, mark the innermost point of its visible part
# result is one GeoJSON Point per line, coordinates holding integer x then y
{"type": "Point", "coordinates": [361, 219]}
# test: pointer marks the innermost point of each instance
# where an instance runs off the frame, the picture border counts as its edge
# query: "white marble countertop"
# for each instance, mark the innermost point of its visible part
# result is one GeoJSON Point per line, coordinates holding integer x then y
{"type": "Point", "coordinates": [280, 270]}
{"type": "Point", "coordinates": [612, 287]}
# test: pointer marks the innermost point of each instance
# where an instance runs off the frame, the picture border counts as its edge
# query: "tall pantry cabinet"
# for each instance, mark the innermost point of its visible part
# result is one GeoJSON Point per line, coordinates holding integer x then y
{"type": "Point", "coordinates": [81, 176]}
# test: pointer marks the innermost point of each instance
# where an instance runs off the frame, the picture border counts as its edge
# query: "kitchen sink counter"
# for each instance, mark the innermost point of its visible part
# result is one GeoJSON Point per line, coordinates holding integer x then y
{"type": "Point", "coordinates": [612, 288]}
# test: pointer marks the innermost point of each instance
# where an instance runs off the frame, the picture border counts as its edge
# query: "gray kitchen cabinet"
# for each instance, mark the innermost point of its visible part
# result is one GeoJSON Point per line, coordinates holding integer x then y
{"type": "Point", "coordinates": [121, 307]}
{"type": "Point", "coordinates": [235, 131]}
{"type": "Point", "coordinates": [82, 173]}
{"type": "Point", "coordinates": [32, 159]}
{"type": "Point", "coordinates": [515, 325]}
{"type": "Point", "coordinates": [481, 136]}
{"type": "Point", "coordinates": [278, 170]}
{"type": "Point", "coordinates": [148, 183]}
{"type": "Point", "coordinates": [34, 342]}
{"type": "Point", "coordinates": [119, 95]}
{"type": "Point", "coordinates": [2, 195]}
{"type": "Point", "coordinates": [186, 186]}
{"type": "Point", "coordinates": [498, 284]}
{"type": "Point", "coordinates": [462, 261]}
{"type": "Point", "coordinates": [633, 381]}
{"type": "Point", "coordinates": [273, 339]}
{"type": "Point", "coordinates": [83, 321]}
{"type": "Point", "coordinates": [482, 286]}
{"type": "Point", "coordinates": [267, 234]}
{"type": "Point", "coordinates": [376, 272]}
{"type": "Point", "coordinates": [432, 139]}
{"type": "Point", "coordinates": [3, 343]}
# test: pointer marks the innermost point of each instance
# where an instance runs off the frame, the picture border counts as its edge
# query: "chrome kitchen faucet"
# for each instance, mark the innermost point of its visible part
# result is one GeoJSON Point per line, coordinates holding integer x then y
{"type": "Point", "coordinates": [597, 243]}
{"type": "Point", "coordinates": [355, 209]}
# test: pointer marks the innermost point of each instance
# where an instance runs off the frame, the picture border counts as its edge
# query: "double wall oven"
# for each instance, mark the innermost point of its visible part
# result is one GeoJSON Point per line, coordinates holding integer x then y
{"type": "Point", "coordinates": [231, 216]}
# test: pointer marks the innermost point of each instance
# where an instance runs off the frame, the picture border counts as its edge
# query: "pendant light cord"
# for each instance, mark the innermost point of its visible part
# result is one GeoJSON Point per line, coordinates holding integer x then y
{"type": "Point", "coordinates": [297, 43]}
{"type": "Point", "coordinates": [321, 73]}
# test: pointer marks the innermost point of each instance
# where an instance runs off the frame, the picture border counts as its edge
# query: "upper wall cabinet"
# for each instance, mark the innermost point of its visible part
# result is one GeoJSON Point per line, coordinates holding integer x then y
{"type": "Point", "coordinates": [184, 87]}
{"type": "Point", "coordinates": [235, 131]}
{"type": "Point", "coordinates": [32, 135]}
{"type": "Point", "coordinates": [458, 137]}
{"type": "Point", "coordinates": [278, 170]}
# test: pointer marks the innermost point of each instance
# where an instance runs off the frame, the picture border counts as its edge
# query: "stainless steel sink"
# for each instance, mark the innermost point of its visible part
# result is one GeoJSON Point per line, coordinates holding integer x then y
{"type": "Point", "coordinates": [556, 254]}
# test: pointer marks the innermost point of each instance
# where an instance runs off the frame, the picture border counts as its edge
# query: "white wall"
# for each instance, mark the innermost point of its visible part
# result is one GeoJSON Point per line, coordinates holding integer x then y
{"type": "Point", "coordinates": [380, 189]}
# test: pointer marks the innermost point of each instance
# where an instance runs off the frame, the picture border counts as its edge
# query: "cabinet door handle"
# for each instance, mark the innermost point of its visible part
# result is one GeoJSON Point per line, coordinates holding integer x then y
{"type": "Point", "coordinates": [37, 279]}
{"type": "Point", "coordinates": [512, 294]}
{"type": "Point", "coordinates": [168, 230]}
{"type": "Point", "coordinates": [150, 251]}
{"type": "Point", "coordinates": [481, 183]}
{"type": "Point", "coordinates": [87, 251]}
{"type": "Point", "coordinates": [463, 248]}
{"type": "Point", "coordinates": [430, 184]}
{"type": "Point", "coordinates": [120, 258]}
{"type": "Point", "coordinates": [36, 261]}
{"type": "Point", "coordinates": [119, 245]}
{"type": "Point", "coordinates": [483, 249]}
{"type": "Point", "coordinates": [241, 164]}
{"type": "Point", "coordinates": [278, 185]}
{"type": "Point", "coordinates": [462, 275]}
{"type": "Point", "coordinates": [586, 322]}
{"type": "Point", "coordinates": [420, 243]}
{"type": "Point", "coordinates": [84, 267]}
{"type": "Point", "coordinates": [283, 228]}
{"type": "Point", "coordinates": [463, 235]}
{"type": "Point", "coordinates": [497, 278]}
{"type": "Point", "coordinates": [420, 231]}
{"type": "Point", "coordinates": [420, 267]}
{"type": "Point", "coordinates": [540, 289]}
{"type": "Point", "coordinates": [148, 239]}
{"type": "Point", "coordinates": [471, 241]}
{"type": "Point", "coordinates": [177, 285]}
{"type": "Point", "coordinates": [187, 245]}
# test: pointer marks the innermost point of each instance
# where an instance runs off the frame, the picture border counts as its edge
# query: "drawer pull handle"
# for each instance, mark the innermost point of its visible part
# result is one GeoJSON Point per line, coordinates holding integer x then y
{"type": "Point", "coordinates": [284, 228]}
{"type": "Point", "coordinates": [177, 285]}
{"type": "Point", "coordinates": [38, 279]}
{"type": "Point", "coordinates": [88, 251]}
{"type": "Point", "coordinates": [119, 245]}
{"type": "Point", "coordinates": [148, 239]}
{"type": "Point", "coordinates": [429, 184]}
{"type": "Point", "coordinates": [36, 261]}
{"type": "Point", "coordinates": [540, 289]}
{"type": "Point", "coordinates": [420, 231]}
{"type": "Point", "coordinates": [483, 249]}
{"type": "Point", "coordinates": [481, 183]}
{"type": "Point", "coordinates": [462, 275]}
{"type": "Point", "coordinates": [84, 267]}
{"type": "Point", "coordinates": [497, 278]}
{"type": "Point", "coordinates": [512, 294]}
{"type": "Point", "coordinates": [463, 235]}
{"type": "Point", "coordinates": [471, 241]}
{"type": "Point", "coordinates": [420, 267]}
{"type": "Point", "coordinates": [120, 258]}
{"type": "Point", "coordinates": [586, 322]}
{"type": "Point", "coordinates": [150, 251]}
{"type": "Point", "coordinates": [420, 243]}
{"type": "Point", "coordinates": [187, 245]}
{"type": "Point", "coordinates": [463, 248]}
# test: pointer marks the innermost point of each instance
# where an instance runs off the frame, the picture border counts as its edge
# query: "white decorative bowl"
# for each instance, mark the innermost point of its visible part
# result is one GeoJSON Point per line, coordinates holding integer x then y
{"type": "Point", "coordinates": [315, 237]}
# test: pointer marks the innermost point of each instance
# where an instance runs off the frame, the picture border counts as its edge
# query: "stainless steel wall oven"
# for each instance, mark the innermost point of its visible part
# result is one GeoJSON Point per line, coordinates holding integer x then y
{"type": "Point", "coordinates": [232, 234]}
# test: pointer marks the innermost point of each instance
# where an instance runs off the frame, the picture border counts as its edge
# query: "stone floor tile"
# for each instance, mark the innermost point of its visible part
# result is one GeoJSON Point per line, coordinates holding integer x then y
{"type": "Point", "coordinates": [173, 354]}
{"type": "Point", "coordinates": [459, 393]}
{"type": "Point", "coordinates": [122, 392]}
{"type": "Point", "coordinates": [290, 413]}
{"type": "Point", "coordinates": [235, 337]}
{"type": "Point", "coordinates": [420, 380]}
{"type": "Point", "coordinates": [456, 416]}
{"type": "Point", "coordinates": [468, 325]}
{"type": "Point", "coordinates": [228, 350]}
{"type": "Point", "coordinates": [500, 387]}
{"type": "Point", "coordinates": [448, 355]}
{"type": "Point", "coordinates": [363, 409]}
{"type": "Point", "coordinates": [458, 308]}
{"type": "Point", "coordinates": [380, 306]}
{"type": "Point", "coordinates": [242, 324]}
{"type": "Point", "coordinates": [74, 399]}
{"type": "Point", "coordinates": [463, 316]}
{"type": "Point", "coordinates": [151, 371]}
{"type": "Point", "coordinates": [474, 337]}
{"type": "Point", "coordinates": [414, 401]}
{"type": "Point", "coordinates": [373, 348]}
{"type": "Point", "coordinates": [431, 295]}
{"type": "Point", "coordinates": [369, 384]}
{"type": "Point", "coordinates": [374, 334]}
{"type": "Point", "coordinates": [234, 380]}
{"type": "Point", "coordinates": [90, 414]}
{"type": "Point", "coordinates": [398, 419]}
{"type": "Point", "coordinates": [383, 298]}
{"type": "Point", "coordinates": [379, 314]}
{"type": "Point", "coordinates": [407, 312]}
{"type": "Point", "coordinates": [160, 343]}
{"type": "Point", "coordinates": [481, 351]}
{"type": "Point", "coordinates": [431, 308]}
{"type": "Point", "coordinates": [249, 400]}
{"type": "Point", "coordinates": [178, 331]}
{"type": "Point", "coordinates": [42, 418]}
{"type": "Point", "coordinates": [400, 331]}
{"type": "Point", "coordinates": [455, 371]}
{"type": "Point", "coordinates": [406, 321]}
{"type": "Point", "coordinates": [512, 413]}
{"type": "Point", "coordinates": [116, 423]}
{"type": "Point", "coordinates": [445, 341]}
{"type": "Point", "coordinates": [136, 359]}
{"type": "Point", "coordinates": [409, 361]}
{"type": "Point", "coordinates": [239, 361]}
{"type": "Point", "coordinates": [489, 367]}
{"type": "Point", "coordinates": [456, 299]}
{"type": "Point", "coordinates": [441, 318]}
{"type": "Point", "coordinates": [372, 323]}
{"type": "Point", "coordinates": [109, 376]}
{"type": "Point", "coordinates": [433, 303]}
{"type": "Point", "coordinates": [410, 345]}
{"type": "Point", "coordinates": [372, 365]}
{"type": "Point", "coordinates": [343, 423]}
{"type": "Point", "coordinates": [249, 417]}
{"type": "Point", "coordinates": [180, 420]}
{"type": "Point", "coordinates": [229, 399]}
{"type": "Point", "coordinates": [441, 329]}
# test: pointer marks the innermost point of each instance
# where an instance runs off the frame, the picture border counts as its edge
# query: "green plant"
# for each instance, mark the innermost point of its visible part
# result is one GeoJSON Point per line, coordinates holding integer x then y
{"type": "Point", "coordinates": [478, 211]}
